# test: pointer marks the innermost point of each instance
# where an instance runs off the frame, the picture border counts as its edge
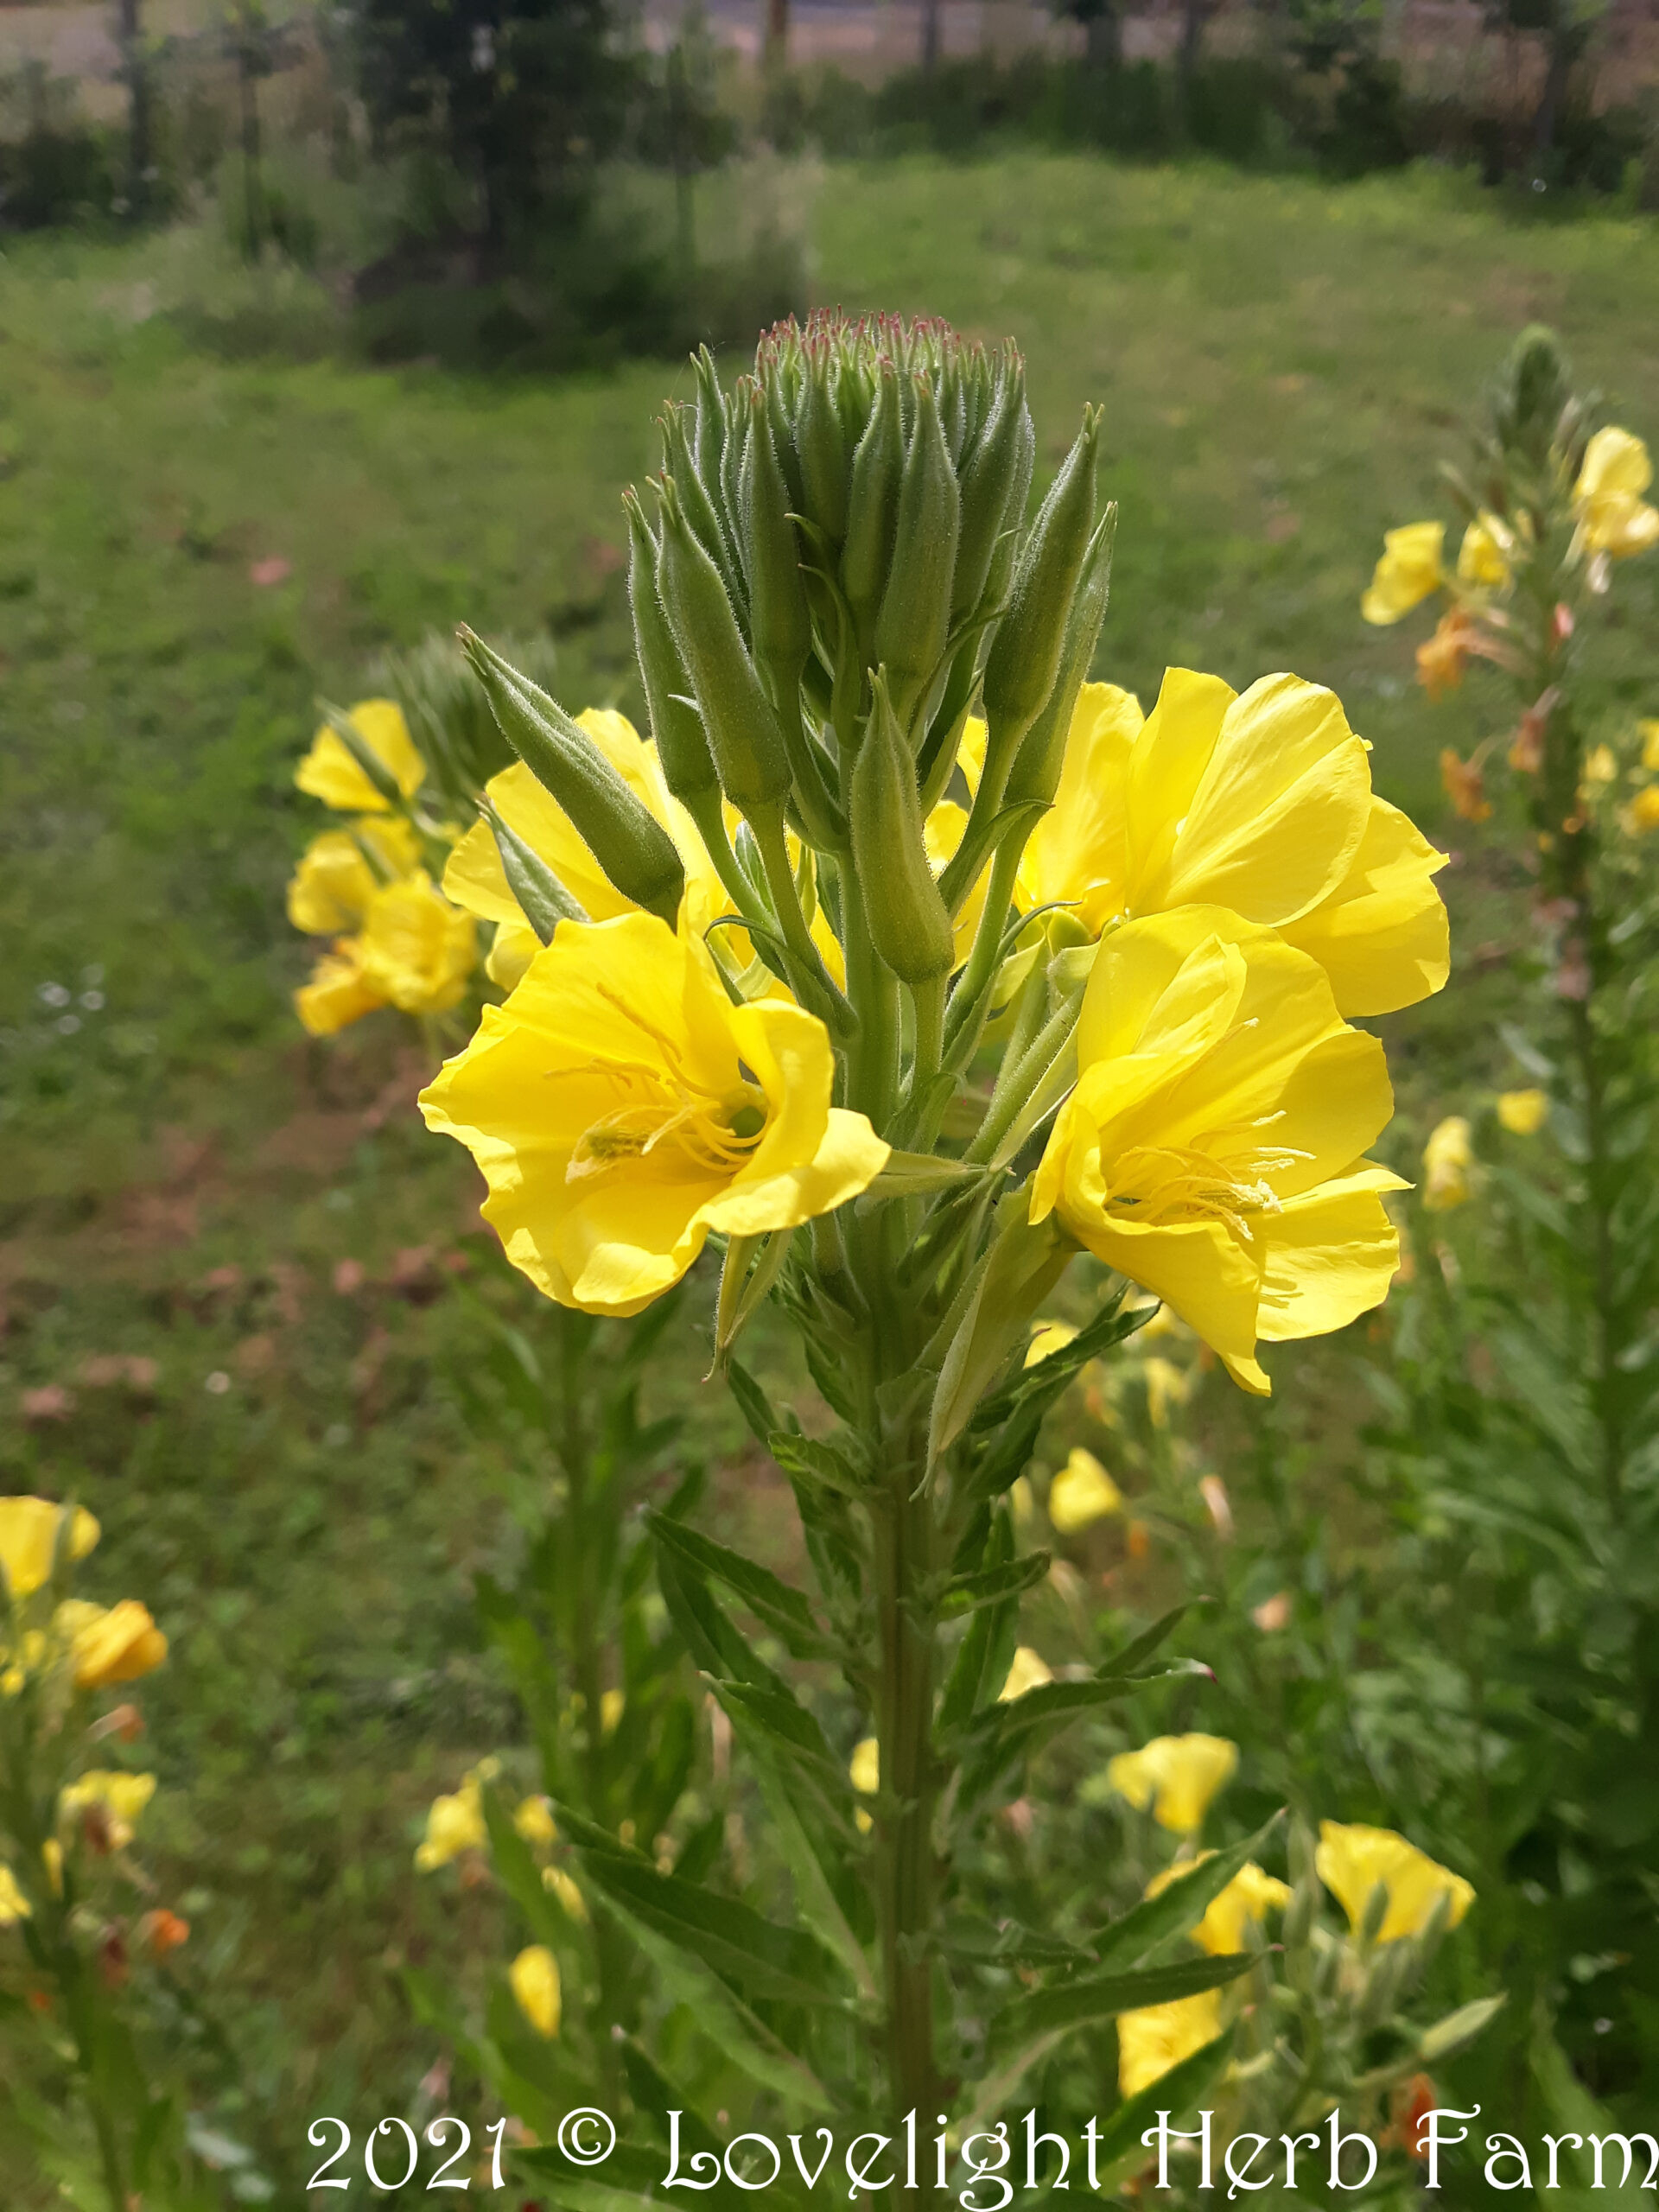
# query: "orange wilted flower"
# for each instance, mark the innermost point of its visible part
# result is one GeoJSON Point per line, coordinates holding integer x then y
{"type": "Point", "coordinates": [1440, 658]}
{"type": "Point", "coordinates": [161, 1932]}
{"type": "Point", "coordinates": [1465, 785]}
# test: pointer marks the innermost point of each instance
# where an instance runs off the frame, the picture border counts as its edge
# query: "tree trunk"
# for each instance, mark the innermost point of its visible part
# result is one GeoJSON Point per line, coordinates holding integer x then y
{"type": "Point", "coordinates": [1562, 44]}
{"type": "Point", "coordinates": [930, 34]}
{"type": "Point", "coordinates": [253, 202]}
{"type": "Point", "coordinates": [1103, 38]}
{"type": "Point", "coordinates": [775, 50]}
{"type": "Point", "coordinates": [137, 77]}
{"type": "Point", "coordinates": [1195, 14]}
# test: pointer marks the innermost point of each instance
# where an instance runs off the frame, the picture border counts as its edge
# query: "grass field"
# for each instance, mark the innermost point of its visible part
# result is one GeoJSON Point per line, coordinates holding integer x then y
{"type": "Point", "coordinates": [181, 1177]}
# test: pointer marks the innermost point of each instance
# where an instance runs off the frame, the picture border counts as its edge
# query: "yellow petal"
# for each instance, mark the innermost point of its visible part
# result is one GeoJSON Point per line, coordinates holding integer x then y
{"type": "Point", "coordinates": [1331, 1256]}
{"type": "Point", "coordinates": [1410, 568]}
{"type": "Point", "coordinates": [513, 947]}
{"type": "Point", "coordinates": [417, 950]}
{"type": "Point", "coordinates": [1523, 1112]}
{"type": "Point", "coordinates": [534, 1976]}
{"type": "Point", "coordinates": [119, 1646]}
{"type": "Point", "coordinates": [339, 992]}
{"type": "Point", "coordinates": [1352, 1860]}
{"type": "Point", "coordinates": [864, 1769]}
{"type": "Point", "coordinates": [1159, 2036]}
{"type": "Point", "coordinates": [14, 1905]}
{"type": "Point", "coordinates": [1082, 1493]}
{"type": "Point", "coordinates": [29, 1537]}
{"type": "Point", "coordinates": [1029, 1672]}
{"type": "Point", "coordinates": [1176, 1777]}
{"type": "Point", "coordinates": [329, 772]}
{"type": "Point", "coordinates": [1381, 933]}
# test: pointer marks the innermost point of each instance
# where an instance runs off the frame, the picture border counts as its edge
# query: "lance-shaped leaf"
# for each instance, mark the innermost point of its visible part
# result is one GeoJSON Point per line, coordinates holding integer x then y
{"type": "Point", "coordinates": [717, 1645]}
{"type": "Point", "coordinates": [736, 1943]}
{"type": "Point", "coordinates": [544, 899]}
{"type": "Point", "coordinates": [1000, 1733]}
{"type": "Point", "coordinates": [992, 1586]}
{"type": "Point", "coordinates": [1179, 1906]}
{"type": "Point", "coordinates": [1119, 2149]}
{"type": "Point", "coordinates": [784, 1610]}
{"type": "Point", "coordinates": [1092, 1997]}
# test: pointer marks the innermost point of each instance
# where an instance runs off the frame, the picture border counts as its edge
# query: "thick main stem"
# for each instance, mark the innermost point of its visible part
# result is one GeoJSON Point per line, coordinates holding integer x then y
{"type": "Point", "coordinates": [904, 1865]}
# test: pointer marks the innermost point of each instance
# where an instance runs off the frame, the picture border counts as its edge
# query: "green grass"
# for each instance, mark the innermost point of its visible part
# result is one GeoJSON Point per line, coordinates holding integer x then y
{"type": "Point", "coordinates": [1281, 367]}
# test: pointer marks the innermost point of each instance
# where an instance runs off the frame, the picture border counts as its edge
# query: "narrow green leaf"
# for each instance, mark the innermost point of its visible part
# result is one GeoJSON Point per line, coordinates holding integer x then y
{"type": "Point", "coordinates": [814, 1461]}
{"type": "Point", "coordinates": [965, 1593]}
{"type": "Point", "coordinates": [1103, 1996]}
{"type": "Point", "coordinates": [751, 1402]}
{"type": "Point", "coordinates": [1179, 2093]}
{"type": "Point", "coordinates": [786, 1612]}
{"type": "Point", "coordinates": [1178, 1907]}
{"type": "Point", "coordinates": [1141, 1647]}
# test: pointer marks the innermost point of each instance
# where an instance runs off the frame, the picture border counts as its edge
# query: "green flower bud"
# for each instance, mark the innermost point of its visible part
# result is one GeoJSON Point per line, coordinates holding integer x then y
{"type": "Point", "coordinates": [872, 503]}
{"type": "Point", "coordinates": [908, 923]}
{"type": "Point", "coordinates": [780, 630]}
{"type": "Point", "coordinates": [700, 511]}
{"type": "Point", "coordinates": [821, 443]}
{"type": "Point", "coordinates": [677, 728]}
{"type": "Point", "coordinates": [1024, 656]}
{"type": "Point", "coordinates": [742, 730]}
{"type": "Point", "coordinates": [624, 838]}
{"type": "Point", "coordinates": [989, 483]}
{"type": "Point", "coordinates": [544, 899]}
{"type": "Point", "coordinates": [1036, 772]}
{"type": "Point", "coordinates": [915, 619]}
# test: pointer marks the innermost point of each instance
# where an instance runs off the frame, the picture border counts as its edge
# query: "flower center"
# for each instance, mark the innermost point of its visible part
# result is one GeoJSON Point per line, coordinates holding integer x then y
{"type": "Point", "coordinates": [1168, 1186]}
{"type": "Point", "coordinates": [665, 1109]}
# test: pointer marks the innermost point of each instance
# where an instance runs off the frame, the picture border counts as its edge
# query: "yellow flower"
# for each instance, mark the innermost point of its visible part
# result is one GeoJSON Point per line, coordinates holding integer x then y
{"type": "Point", "coordinates": [329, 772]}
{"type": "Point", "coordinates": [339, 993]}
{"type": "Point", "coordinates": [1648, 731]}
{"type": "Point", "coordinates": [1523, 1112]}
{"type": "Point", "coordinates": [1177, 1777]}
{"type": "Point", "coordinates": [1260, 802]}
{"type": "Point", "coordinates": [1613, 516]}
{"type": "Point", "coordinates": [864, 1768]}
{"type": "Point", "coordinates": [29, 1537]}
{"type": "Point", "coordinates": [621, 1108]}
{"type": "Point", "coordinates": [14, 1905]}
{"type": "Point", "coordinates": [119, 1797]}
{"type": "Point", "coordinates": [1212, 1148]}
{"type": "Point", "coordinates": [1448, 1159]}
{"type": "Point", "coordinates": [119, 1646]}
{"type": "Point", "coordinates": [564, 1888]}
{"type": "Point", "coordinates": [1167, 1386]}
{"type": "Point", "coordinates": [1643, 812]}
{"type": "Point", "coordinates": [417, 950]}
{"type": "Point", "coordinates": [1412, 566]}
{"type": "Point", "coordinates": [1029, 1672]}
{"type": "Point", "coordinates": [1601, 766]}
{"type": "Point", "coordinates": [535, 1978]}
{"type": "Point", "coordinates": [1153, 2041]}
{"type": "Point", "coordinates": [52, 1859]}
{"type": "Point", "coordinates": [534, 1822]}
{"type": "Point", "coordinates": [612, 1706]}
{"type": "Point", "coordinates": [1351, 1861]}
{"type": "Point", "coordinates": [455, 1824]}
{"type": "Point", "coordinates": [1048, 1337]}
{"type": "Point", "coordinates": [1244, 1904]}
{"type": "Point", "coordinates": [1082, 1493]}
{"type": "Point", "coordinates": [331, 887]}
{"type": "Point", "coordinates": [1484, 556]}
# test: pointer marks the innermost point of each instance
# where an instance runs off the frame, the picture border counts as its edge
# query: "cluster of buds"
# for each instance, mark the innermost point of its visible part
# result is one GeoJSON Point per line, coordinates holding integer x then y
{"type": "Point", "coordinates": [832, 574]}
{"type": "Point", "coordinates": [1550, 504]}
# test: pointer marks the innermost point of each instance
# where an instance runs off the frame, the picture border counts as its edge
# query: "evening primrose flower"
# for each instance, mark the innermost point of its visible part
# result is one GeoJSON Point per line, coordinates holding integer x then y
{"type": "Point", "coordinates": [330, 773]}
{"type": "Point", "coordinates": [28, 1540]}
{"type": "Point", "coordinates": [455, 1824]}
{"type": "Point", "coordinates": [1081, 1494]}
{"type": "Point", "coordinates": [1243, 1905]}
{"type": "Point", "coordinates": [534, 1822]}
{"type": "Point", "coordinates": [1260, 802]}
{"type": "Point", "coordinates": [1411, 568]}
{"type": "Point", "coordinates": [1441, 658]}
{"type": "Point", "coordinates": [534, 1975]}
{"type": "Point", "coordinates": [1029, 1672]}
{"type": "Point", "coordinates": [339, 992]}
{"type": "Point", "coordinates": [1642, 815]}
{"type": "Point", "coordinates": [1484, 556]}
{"type": "Point", "coordinates": [1158, 2037]}
{"type": "Point", "coordinates": [864, 1772]}
{"type": "Point", "coordinates": [1352, 1861]}
{"type": "Point", "coordinates": [1211, 1150]}
{"type": "Point", "coordinates": [1176, 1778]}
{"type": "Point", "coordinates": [1613, 518]}
{"type": "Point", "coordinates": [329, 892]}
{"type": "Point", "coordinates": [115, 1797]}
{"type": "Point", "coordinates": [1448, 1164]}
{"type": "Point", "coordinates": [119, 1646]}
{"type": "Point", "coordinates": [417, 950]}
{"type": "Point", "coordinates": [1523, 1112]}
{"type": "Point", "coordinates": [621, 1108]}
{"type": "Point", "coordinates": [14, 1905]}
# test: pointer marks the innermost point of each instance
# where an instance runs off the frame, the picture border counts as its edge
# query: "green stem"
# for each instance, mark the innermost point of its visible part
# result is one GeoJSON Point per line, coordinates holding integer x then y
{"type": "Point", "coordinates": [813, 977]}
{"type": "Point", "coordinates": [904, 1865]}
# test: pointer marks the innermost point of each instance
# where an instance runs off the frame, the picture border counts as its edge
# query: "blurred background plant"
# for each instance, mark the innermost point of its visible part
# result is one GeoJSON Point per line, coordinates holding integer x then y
{"type": "Point", "coordinates": [89, 1986]}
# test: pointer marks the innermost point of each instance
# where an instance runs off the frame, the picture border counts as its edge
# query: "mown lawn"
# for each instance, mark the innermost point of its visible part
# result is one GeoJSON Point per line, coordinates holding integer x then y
{"type": "Point", "coordinates": [181, 1177]}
